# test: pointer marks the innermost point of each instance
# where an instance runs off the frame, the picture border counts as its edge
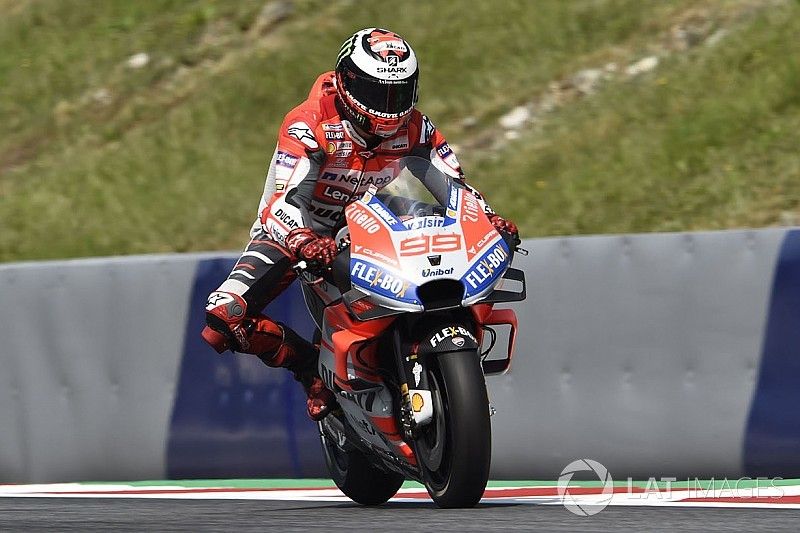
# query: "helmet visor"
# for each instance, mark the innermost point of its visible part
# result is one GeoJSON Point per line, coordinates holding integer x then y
{"type": "Point", "coordinates": [382, 97]}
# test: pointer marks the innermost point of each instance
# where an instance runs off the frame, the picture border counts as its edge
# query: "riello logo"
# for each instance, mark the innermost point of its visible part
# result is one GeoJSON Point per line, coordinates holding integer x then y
{"type": "Point", "coordinates": [429, 272]}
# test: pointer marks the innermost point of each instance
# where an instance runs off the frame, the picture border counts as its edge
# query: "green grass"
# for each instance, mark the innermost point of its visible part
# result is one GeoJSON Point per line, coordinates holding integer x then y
{"type": "Point", "coordinates": [710, 140]}
{"type": "Point", "coordinates": [173, 158]}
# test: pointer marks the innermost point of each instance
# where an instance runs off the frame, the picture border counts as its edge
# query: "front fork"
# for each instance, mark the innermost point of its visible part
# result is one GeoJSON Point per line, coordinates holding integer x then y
{"type": "Point", "coordinates": [416, 403]}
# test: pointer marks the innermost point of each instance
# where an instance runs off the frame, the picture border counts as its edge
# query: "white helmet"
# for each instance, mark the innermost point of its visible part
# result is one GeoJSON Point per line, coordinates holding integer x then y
{"type": "Point", "coordinates": [376, 81]}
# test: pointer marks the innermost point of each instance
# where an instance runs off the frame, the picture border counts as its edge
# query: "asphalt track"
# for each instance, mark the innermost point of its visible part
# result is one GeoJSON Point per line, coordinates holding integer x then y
{"type": "Point", "coordinates": [122, 514]}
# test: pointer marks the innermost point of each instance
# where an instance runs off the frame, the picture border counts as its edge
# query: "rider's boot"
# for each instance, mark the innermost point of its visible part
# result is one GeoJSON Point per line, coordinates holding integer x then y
{"type": "Point", "coordinates": [301, 357]}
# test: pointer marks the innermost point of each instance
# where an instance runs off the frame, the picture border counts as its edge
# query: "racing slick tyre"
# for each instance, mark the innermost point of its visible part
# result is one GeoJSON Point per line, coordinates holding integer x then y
{"type": "Point", "coordinates": [357, 478]}
{"type": "Point", "coordinates": [455, 448]}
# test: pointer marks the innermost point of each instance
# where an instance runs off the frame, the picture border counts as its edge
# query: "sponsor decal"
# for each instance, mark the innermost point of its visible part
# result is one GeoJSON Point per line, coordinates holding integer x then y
{"type": "Point", "coordinates": [378, 181]}
{"type": "Point", "coordinates": [490, 235]}
{"type": "Point", "coordinates": [443, 150]}
{"type": "Point", "coordinates": [459, 341]}
{"type": "Point", "coordinates": [301, 132]}
{"type": "Point", "coordinates": [286, 218]}
{"type": "Point", "coordinates": [336, 194]}
{"type": "Point", "coordinates": [382, 212]}
{"type": "Point", "coordinates": [435, 260]}
{"type": "Point", "coordinates": [322, 212]}
{"type": "Point", "coordinates": [400, 142]}
{"type": "Point", "coordinates": [334, 135]}
{"type": "Point", "coordinates": [402, 145]}
{"type": "Point", "coordinates": [392, 70]}
{"type": "Point", "coordinates": [379, 280]}
{"type": "Point", "coordinates": [424, 222]}
{"type": "Point", "coordinates": [331, 176]}
{"type": "Point", "coordinates": [286, 159]}
{"type": "Point", "coordinates": [486, 238]}
{"type": "Point", "coordinates": [430, 272]}
{"type": "Point", "coordinates": [361, 217]}
{"type": "Point", "coordinates": [452, 331]}
{"type": "Point", "coordinates": [417, 371]}
{"type": "Point", "coordinates": [346, 49]}
{"type": "Point", "coordinates": [446, 154]}
{"type": "Point", "coordinates": [355, 178]}
{"type": "Point", "coordinates": [369, 252]}
{"type": "Point", "coordinates": [417, 402]}
{"type": "Point", "coordinates": [452, 162]}
{"type": "Point", "coordinates": [471, 209]}
{"type": "Point", "coordinates": [340, 149]}
{"type": "Point", "coordinates": [452, 202]}
{"type": "Point", "coordinates": [279, 186]}
{"type": "Point", "coordinates": [385, 130]}
{"type": "Point", "coordinates": [488, 267]}
{"type": "Point", "coordinates": [332, 127]}
{"type": "Point", "coordinates": [277, 234]}
{"type": "Point", "coordinates": [216, 299]}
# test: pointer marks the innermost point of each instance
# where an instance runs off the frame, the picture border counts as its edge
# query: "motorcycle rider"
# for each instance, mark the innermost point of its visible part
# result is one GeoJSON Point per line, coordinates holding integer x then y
{"type": "Point", "coordinates": [331, 149]}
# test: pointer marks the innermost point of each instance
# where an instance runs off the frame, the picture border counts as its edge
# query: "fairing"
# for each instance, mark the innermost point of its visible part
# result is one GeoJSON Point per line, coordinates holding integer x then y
{"type": "Point", "coordinates": [420, 228]}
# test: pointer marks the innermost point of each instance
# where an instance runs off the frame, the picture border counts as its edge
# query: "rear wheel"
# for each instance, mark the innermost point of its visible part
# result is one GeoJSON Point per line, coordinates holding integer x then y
{"type": "Point", "coordinates": [357, 478]}
{"type": "Point", "coordinates": [455, 448]}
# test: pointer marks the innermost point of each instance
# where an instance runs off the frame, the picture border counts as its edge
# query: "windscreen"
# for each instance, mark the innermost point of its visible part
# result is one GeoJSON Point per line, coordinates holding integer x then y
{"type": "Point", "coordinates": [419, 190]}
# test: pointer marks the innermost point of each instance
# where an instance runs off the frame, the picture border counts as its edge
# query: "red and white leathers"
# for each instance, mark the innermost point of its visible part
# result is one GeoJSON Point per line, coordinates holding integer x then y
{"type": "Point", "coordinates": [320, 164]}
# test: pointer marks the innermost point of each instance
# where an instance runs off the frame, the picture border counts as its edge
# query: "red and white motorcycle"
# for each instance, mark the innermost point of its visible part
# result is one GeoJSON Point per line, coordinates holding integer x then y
{"type": "Point", "coordinates": [402, 316]}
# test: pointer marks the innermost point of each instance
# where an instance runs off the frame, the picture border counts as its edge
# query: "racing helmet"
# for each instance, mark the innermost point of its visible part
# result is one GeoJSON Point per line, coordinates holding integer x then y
{"type": "Point", "coordinates": [376, 81]}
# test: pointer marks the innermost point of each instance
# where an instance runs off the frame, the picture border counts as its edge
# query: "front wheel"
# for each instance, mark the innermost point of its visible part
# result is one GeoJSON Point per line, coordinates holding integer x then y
{"type": "Point", "coordinates": [455, 448]}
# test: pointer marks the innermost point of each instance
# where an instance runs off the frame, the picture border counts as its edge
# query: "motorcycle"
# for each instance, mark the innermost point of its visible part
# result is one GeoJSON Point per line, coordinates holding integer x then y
{"type": "Point", "coordinates": [402, 315]}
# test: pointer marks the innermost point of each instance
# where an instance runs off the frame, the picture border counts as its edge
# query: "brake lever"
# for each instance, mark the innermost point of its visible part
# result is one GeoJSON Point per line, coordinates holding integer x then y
{"type": "Point", "coordinates": [300, 267]}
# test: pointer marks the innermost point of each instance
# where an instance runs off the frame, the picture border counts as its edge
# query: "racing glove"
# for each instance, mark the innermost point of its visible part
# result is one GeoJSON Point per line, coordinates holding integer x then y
{"type": "Point", "coordinates": [304, 243]}
{"type": "Point", "coordinates": [505, 226]}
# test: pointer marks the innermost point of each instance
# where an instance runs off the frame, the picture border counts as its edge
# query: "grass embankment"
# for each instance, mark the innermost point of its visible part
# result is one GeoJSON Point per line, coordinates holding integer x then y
{"type": "Point", "coordinates": [99, 158]}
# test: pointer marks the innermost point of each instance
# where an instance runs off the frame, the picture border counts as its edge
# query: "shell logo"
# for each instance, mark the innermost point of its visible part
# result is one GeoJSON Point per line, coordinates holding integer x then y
{"type": "Point", "coordinates": [417, 402]}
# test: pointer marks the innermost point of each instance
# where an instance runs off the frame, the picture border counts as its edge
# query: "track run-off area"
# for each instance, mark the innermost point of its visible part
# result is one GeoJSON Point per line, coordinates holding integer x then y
{"type": "Point", "coordinates": [299, 504]}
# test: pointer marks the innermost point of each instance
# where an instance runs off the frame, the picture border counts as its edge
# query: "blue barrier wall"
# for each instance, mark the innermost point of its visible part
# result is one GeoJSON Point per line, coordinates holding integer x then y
{"type": "Point", "coordinates": [772, 441]}
{"type": "Point", "coordinates": [233, 416]}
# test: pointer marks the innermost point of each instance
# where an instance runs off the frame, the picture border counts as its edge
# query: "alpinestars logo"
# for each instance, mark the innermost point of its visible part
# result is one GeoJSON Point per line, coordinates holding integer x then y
{"type": "Point", "coordinates": [302, 133]}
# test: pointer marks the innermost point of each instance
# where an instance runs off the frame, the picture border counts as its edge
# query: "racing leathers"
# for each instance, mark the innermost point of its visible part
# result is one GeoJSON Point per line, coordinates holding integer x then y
{"type": "Point", "coordinates": [320, 164]}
